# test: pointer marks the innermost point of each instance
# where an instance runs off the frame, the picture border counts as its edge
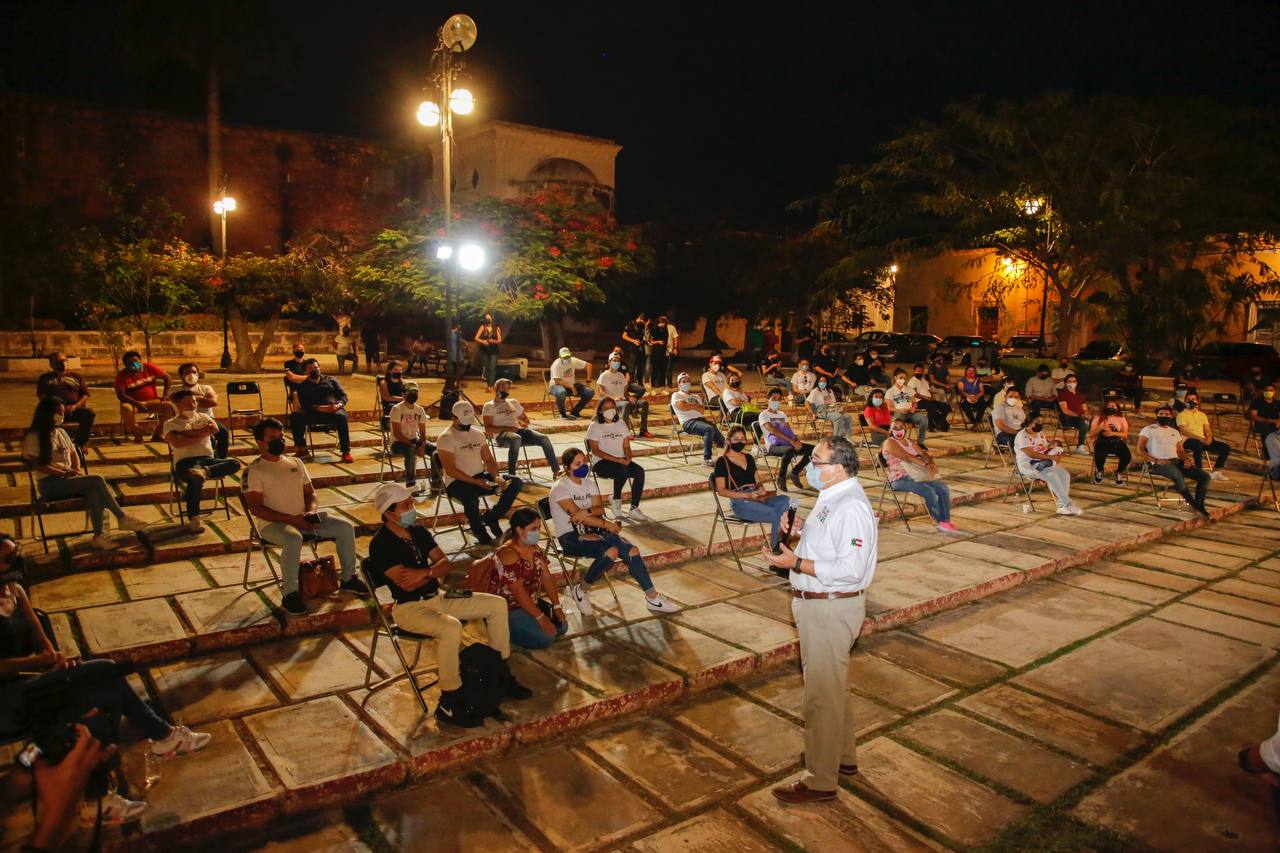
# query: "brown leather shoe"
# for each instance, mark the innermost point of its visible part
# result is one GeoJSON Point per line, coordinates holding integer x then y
{"type": "Point", "coordinates": [798, 793]}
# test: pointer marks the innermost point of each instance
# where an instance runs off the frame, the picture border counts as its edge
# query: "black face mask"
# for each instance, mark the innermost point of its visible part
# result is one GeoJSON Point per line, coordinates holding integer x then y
{"type": "Point", "coordinates": [1164, 421]}
{"type": "Point", "coordinates": [1042, 376]}
{"type": "Point", "coordinates": [314, 373]}
{"type": "Point", "coordinates": [464, 427]}
{"type": "Point", "coordinates": [1111, 413]}
{"type": "Point", "coordinates": [737, 445]}
{"type": "Point", "coordinates": [276, 447]}
{"type": "Point", "coordinates": [411, 396]}
{"type": "Point", "coordinates": [59, 367]}
{"type": "Point", "coordinates": [298, 353]}
{"type": "Point", "coordinates": [734, 384]}
{"type": "Point", "coordinates": [1037, 427]}
{"type": "Point", "coordinates": [396, 376]}
{"type": "Point", "coordinates": [16, 571]}
{"type": "Point", "coordinates": [504, 394]}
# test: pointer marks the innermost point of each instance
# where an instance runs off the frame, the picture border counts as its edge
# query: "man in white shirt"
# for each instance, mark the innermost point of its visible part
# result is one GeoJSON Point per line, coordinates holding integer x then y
{"type": "Point", "coordinates": [903, 402]}
{"type": "Point", "coordinates": [690, 412]}
{"type": "Point", "coordinates": [471, 472]}
{"type": "Point", "coordinates": [408, 423]}
{"type": "Point", "coordinates": [1008, 417]}
{"type": "Point", "coordinates": [617, 384]}
{"type": "Point", "coordinates": [1060, 373]}
{"type": "Point", "coordinates": [936, 411]}
{"type": "Point", "coordinates": [714, 380]}
{"type": "Point", "coordinates": [344, 347]}
{"type": "Point", "coordinates": [278, 491]}
{"type": "Point", "coordinates": [802, 382]}
{"type": "Point", "coordinates": [1160, 445]}
{"type": "Point", "coordinates": [206, 400]}
{"type": "Point", "coordinates": [191, 434]}
{"type": "Point", "coordinates": [1037, 459]}
{"type": "Point", "coordinates": [507, 424]}
{"type": "Point", "coordinates": [830, 571]}
{"type": "Point", "coordinates": [822, 402]}
{"type": "Point", "coordinates": [564, 382]}
{"type": "Point", "coordinates": [1039, 392]}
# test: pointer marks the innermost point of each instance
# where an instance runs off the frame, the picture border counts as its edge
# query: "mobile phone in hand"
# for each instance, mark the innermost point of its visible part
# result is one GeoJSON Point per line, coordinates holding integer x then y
{"type": "Point", "coordinates": [457, 593]}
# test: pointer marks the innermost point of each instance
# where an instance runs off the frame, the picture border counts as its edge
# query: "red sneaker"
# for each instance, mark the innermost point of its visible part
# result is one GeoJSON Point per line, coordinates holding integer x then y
{"type": "Point", "coordinates": [346, 457]}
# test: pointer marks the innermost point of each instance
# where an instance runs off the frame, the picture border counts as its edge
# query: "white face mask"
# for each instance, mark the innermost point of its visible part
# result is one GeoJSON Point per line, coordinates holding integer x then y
{"type": "Point", "coordinates": [1071, 386]}
{"type": "Point", "coordinates": [804, 368]}
{"type": "Point", "coordinates": [1015, 402]}
{"type": "Point", "coordinates": [900, 381]}
{"type": "Point", "coordinates": [610, 414]}
{"type": "Point", "coordinates": [716, 368]}
{"type": "Point", "coordinates": [190, 378]}
{"type": "Point", "coordinates": [58, 420]}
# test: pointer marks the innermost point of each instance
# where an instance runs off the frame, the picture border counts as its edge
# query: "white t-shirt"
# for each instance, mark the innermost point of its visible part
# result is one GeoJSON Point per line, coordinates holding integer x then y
{"type": "Point", "coordinates": [503, 413]}
{"type": "Point", "coordinates": [778, 419]}
{"type": "Point", "coordinates": [280, 483]}
{"type": "Point", "coordinates": [1059, 377]}
{"type": "Point", "coordinates": [407, 420]}
{"type": "Point", "coordinates": [1162, 441]}
{"type": "Point", "coordinates": [613, 383]}
{"type": "Point", "coordinates": [342, 345]}
{"type": "Point", "coordinates": [684, 415]}
{"type": "Point", "coordinates": [734, 398]}
{"type": "Point", "coordinates": [900, 398]}
{"type": "Point", "coordinates": [803, 381]}
{"type": "Point", "coordinates": [566, 369]}
{"type": "Point", "coordinates": [920, 387]}
{"type": "Point", "coordinates": [714, 382]}
{"type": "Point", "coordinates": [819, 397]}
{"type": "Point", "coordinates": [582, 494]}
{"type": "Point", "coordinates": [61, 448]}
{"type": "Point", "coordinates": [467, 447]}
{"type": "Point", "coordinates": [1013, 416]}
{"type": "Point", "coordinates": [1037, 441]}
{"type": "Point", "coordinates": [198, 420]}
{"type": "Point", "coordinates": [201, 391]}
{"type": "Point", "coordinates": [609, 435]}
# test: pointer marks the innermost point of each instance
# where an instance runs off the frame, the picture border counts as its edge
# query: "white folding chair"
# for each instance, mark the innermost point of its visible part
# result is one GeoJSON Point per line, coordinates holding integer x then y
{"type": "Point", "coordinates": [1005, 453]}
{"type": "Point", "coordinates": [676, 435]}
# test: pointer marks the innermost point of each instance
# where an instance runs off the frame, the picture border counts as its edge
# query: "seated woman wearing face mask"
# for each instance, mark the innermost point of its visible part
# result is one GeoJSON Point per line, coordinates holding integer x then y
{"type": "Point", "coordinates": [802, 382]}
{"type": "Point", "coordinates": [610, 443]}
{"type": "Point", "coordinates": [522, 575]}
{"type": "Point", "coordinates": [912, 469]}
{"type": "Point", "coordinates": [972, 396]}
{"type": "Point", "coordinates": [781, 440]}
{"type": "Point", "coordinates": [735, 479]}
{"type": "Point", "coordinates": [1109, 433]}
{"type": "Point", "coordinates": [738, 404]}
{"type": "Point", "coordinates": [822, 402]}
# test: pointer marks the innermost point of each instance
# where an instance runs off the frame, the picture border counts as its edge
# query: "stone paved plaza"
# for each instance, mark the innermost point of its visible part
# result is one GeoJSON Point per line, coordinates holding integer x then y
{"type": "Point", "coordinates": [1043, 681]}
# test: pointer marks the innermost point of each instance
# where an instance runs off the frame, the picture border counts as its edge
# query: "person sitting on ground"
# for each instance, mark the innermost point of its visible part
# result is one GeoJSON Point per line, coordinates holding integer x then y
{"type": "Point", "coordinates": [972, 396]}
{"type": "Point", "coordinates": [507, 424]}
{"type": "Point", "coordinates": [206, 403]}
{"type": "Point", "coordinates": [1073, 411]}
{"type": "Point", "coordinates": [1060, 373]}
{"type": "Point", "coordinates": [1110, 435]}
{"type": "Point", "coordinates": [714, 381]}
{"type": "Point", "coordinates": [1008, 417]}
{"type": "Point", "coordinates": [1129, 381]}
{"type": "Point", "coordinates": [190, 434]}
{"type": "Point", "coordinates": [407, 422]}
{"type": "Point", "coordinates": [780, 440]}
{"type": "Point", "coordinates": [404, 555]}
{"type": "Point", "coordinates": [419, 352]}
{"type": "Point", "coordinates": [1264, 412]}
{"type": "Point", "coordinates": [1160, 444]}
{"type": "Point", "coordinates": [735, 480]}
{"type": "Point", "coordinates": [771, 370]}
{"type": "Point", "coordinates": [31, 664]}
{"type": "Point", "coordinates": [522, 576]}
{"type": "Point", "coordinates": [691, 414]}
{"type": "Point", "coordinates": [822, 402]}
{"type": "Point", "coordinates": [1197, 436]}
{"type": "Point", "coordinates": [902, 403]}
{"type": "Point", "coordinates": [577, 513]}
{"type": "Point", "coordinates": [321, 400]}
{"type": "Point", "coordinates": [1039, 392]}
{"type": "Point", "coordinates": [936, 411]}
{"type": "Point", "coordinates": [344, 347]}
{"type": "Point", "coordinates": [71, 390]}
{"type": "Point", "coordinates": [563, 373]}
{"type": "Point", "coordinates": [279, 494]}
{"type": "Point", "coordinates": [1037, 459]}
{"type": "Point", "coordinates": [142, 387]}
{"type": "Point", "coordinates": [391, 386]}
{"type": "Point", "coordinates": [877, 417]}
{"type": "Point", "coordinates": [912, 469]}
{"type": "Point", "coordinates": [826, 366]}
{"type": "Point", "coordinates": [295, 373]}
{"type": "Point", "coordinates": [471, 472]}
{"type": "Point", "coordinates": [737, 403]}
{"type": "Point", "coordinates": [48, 449]}
{"type": "Point", "coordinates": [610, 443]}
{"type": "Point", "coordinates": [803, 381]}
{"type": "Point", "coordinates": [1178, 402]}
{"type": "Point", "coordinates": [615, 383]}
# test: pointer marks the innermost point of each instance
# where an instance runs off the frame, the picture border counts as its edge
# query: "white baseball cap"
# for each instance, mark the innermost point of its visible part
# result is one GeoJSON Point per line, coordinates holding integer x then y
{"type": "Point", "coordinates": [388, 495]}
{"type": "Point", "coordinates": [464, 412]}
{"type": "Point", "coordinates": [565, 352]}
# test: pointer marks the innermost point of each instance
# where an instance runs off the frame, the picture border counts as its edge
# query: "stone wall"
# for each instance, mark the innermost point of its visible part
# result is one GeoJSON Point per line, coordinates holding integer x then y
{"type": "Point", "coordinates": [196, 346]}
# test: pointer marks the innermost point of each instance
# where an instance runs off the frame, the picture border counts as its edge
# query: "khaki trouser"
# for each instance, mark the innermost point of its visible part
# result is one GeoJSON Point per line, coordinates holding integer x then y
{"type": "Point", "coordinates": [129, 413]}
{"type": "Point", "coordinates": [442, 618]}
{"type": "Point", "coordinates": [828, 628]}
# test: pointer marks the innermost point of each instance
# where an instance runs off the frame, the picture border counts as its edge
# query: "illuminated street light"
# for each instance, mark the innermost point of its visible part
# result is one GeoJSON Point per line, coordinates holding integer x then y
{"type": "Point", "coordinates": [222, 206]}
{"type": "Point", "coordinates": [470, 257]}
{"type": "Point", "coordinates": [462, 101]}
{"type": "Point", "coordinates": [1031, 206]}
{"type": "Point", "coordinates": [444, 253]}
{"type": "Point", "coordinates": [893, 269]}
{"type": "Point", "coordinates": [428, 114]}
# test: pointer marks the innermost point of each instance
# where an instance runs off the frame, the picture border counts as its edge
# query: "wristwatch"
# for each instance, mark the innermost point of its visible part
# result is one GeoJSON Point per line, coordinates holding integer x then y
{"type": "Point", "coordinates": [796, 567]}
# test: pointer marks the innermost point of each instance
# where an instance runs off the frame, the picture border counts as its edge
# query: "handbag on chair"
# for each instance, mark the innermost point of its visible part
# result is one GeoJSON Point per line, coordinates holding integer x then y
{"type": "Point", "coordinates": [919, 473]}
{"type": "Point", "coordinates": [317, 578]}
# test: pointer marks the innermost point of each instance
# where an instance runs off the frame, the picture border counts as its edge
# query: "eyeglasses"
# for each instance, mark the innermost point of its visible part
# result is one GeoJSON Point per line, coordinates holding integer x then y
{"type": "Point", "coordinates": [820, 462]}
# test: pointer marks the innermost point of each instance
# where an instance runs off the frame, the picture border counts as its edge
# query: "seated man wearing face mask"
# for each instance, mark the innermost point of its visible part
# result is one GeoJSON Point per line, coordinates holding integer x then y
{"type": "Point", "coordinates": [692, 416]}
{"type": "Point", "coordinates": [1037, 459]}
{"type": "Point", "coordinates": [803, 381]}
{"type": "Point", "coordinates": [206, 402]}
{"type": "Point", "coordinates": [563, 377]}
{"type": "Point", "coordinates": [781, 440]}
{"type": "Point", "coordinates": [714, 381]}
{"type": "Point", "coordinates": [1008, 417]}
{"type": "Point", "coordinates": [70, 389]}
{"type": "Point", "coordinates": [771, 370]}
{"type": "Point", "coordinates": [1160, 444]}
{"type": "Point", "coordinates": [616, 383]}
{"type": "Point", "coordinates": [1110, 434]}
{"type": "Point", "coordinates": [1073, 411]}
{"type": "Point", "coordinates": [508, 425]}
{"type": "Point", "coordinates": [195, 460]}
{"type": "Point", "coordinates": [471, 472]}
{"type": "Point", "coordinates": [1198, 436]}
{"type": "Point", "coordinates": [142, 387]}
{"type": "Point", "coordinates": [408, 424]}
{"type": "Point", "coordinates": [295, 373]}
{"type": "Point", "coordinates": [936, 411]}
{"type": "Point", "coordinates": [822, 402]}
{"type": "Point", "coordinates": [321, 400]}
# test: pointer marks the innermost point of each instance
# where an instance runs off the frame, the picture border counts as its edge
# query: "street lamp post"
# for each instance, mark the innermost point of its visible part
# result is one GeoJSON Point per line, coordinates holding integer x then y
{"type": "Point", "coordinates": [222, 207]}
{"type": "Point", "coordinates": [456, 36]}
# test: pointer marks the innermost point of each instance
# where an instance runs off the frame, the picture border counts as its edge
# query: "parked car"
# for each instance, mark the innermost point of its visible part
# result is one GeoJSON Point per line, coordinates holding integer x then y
{"type": "Point", "coordinates": [1099, 350]}
{"type": "Point", "coordinates": [912, 346]}
{"type": "Point", "coordinates": [956, 347]}
{"type": "Point", "coordinates": [1232, 359]}
{"type": "Point", "coordinates": [866, 339]}
{"type": "Point", "coordinates": [1024, 346]}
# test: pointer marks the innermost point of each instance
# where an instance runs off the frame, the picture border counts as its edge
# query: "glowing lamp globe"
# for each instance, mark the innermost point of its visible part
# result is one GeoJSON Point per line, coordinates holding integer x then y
{"type": "Point", "coordinates": [428, 114]}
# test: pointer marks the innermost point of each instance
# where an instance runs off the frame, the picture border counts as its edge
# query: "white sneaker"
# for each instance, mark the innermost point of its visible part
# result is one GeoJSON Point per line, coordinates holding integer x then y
{"type": "Point", "coordinates": [103, 542]}
{"type": "Point", "coordinates": [1217, 475]}
{"type": "Point", "coordinates": [580, 598]}
{"type": "Point", "coordinates": [195, 525]}
{"type": "Point", "coordinates": [1082, 450]}
{"type": "Point", "coordinates": [115, 810]}
{"type": "Point", "coordinates": [1075, 509]}
{"type": "Point", "coordinates": [1065, 510]}
{"type": "Point", "coordinates": [707, 463]}
{"type": "Point", "coordinates": [132, 522]}
{"type": "Point", "coordinates": [616, 504]}
{"type": "Point", "coordinates": [180, 741]}
{"type": "Point", "coordinates": [636, 514]}
{"type": "Point", "coordinates": [658, 604]}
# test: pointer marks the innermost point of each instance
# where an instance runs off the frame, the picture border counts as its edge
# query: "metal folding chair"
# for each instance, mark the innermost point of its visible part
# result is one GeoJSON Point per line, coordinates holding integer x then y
{"type": "Point", "coordinates": [1159, 495]}
{"type": "Point", "coordinates": [770, 462]}
{"type": "Point", "coordinates": [387, 458]}
{"type": "Point", "coordinates": [1005, 453]}
{"type": "Point", "coordinates": [676, 435]}
{"type": "Point", "coordinates": [1234, 409]}
{"type": "Point", "coordinates": [386, 627]}
{"type": "Point", "coordinates": [243, 389]}
{"type": "Point", "coordinates": [1026, 486]}
{"type": "Point", "coordinates": [726, 519]}
{"type": "Point", "coordinates": [568, 562]}
{"type": "Point", "coordinates": [1268, 481]}
{"type": "Point", "coordinates": [179, 501]}
{"type": "Point", "coordinates": [522, 461]}
{"type": "Point", "coordinates": [40, 506]}
{"type": "Point", "coordinates": [256, 541]}
{"type": "Point", "coordinates": [461, 525]}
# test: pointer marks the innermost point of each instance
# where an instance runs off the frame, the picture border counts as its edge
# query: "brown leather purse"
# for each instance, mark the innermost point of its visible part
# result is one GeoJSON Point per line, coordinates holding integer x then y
{"type": "Point", "coordinates": [317, 578]}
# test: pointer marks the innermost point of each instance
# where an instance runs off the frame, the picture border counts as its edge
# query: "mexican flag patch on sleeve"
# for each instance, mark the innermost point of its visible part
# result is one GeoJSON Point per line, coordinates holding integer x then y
{"type": "Point", "coordinates": [855, 542]}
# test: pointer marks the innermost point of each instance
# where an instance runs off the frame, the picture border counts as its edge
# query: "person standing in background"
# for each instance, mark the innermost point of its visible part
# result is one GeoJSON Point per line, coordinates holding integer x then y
{"type": "Point", "coordinates": [633, 344]}
{"type": "Point", "coordinates": [659, 337]}
{"type": "Point", "coordinates": [372, 353]}
{"type": "Point", "coordinates": [489, 336]}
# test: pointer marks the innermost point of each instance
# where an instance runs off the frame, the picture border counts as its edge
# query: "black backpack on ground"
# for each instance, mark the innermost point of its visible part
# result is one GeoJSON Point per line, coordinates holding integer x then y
{"type": "Point", "coordinates": [485, 677]}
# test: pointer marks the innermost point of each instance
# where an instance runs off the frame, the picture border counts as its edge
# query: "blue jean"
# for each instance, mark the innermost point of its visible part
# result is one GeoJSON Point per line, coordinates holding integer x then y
{"type": "Point", "coordinates": [489, 367]}
{"type": "Point", "coordinates": [94, 489]}
{"type": "Point", "coordinates": [290, 539]}
{"type": "Point", "coordinates": [707, 432]}
{"type": "Point", "coordinates": [514, 439]}
{"type": "Point", "coordinates": [937, 497]}
{"type": "Point", "coordinates": [215, 468]}
{"type": "Point", "coordinates": [575, 546]}
{"type": "Point", "coordinates": [559, 392]}
{"type": "Point", "coordinates": [527, 633]}
{"type": "Point", "coordinates": [771, 511]}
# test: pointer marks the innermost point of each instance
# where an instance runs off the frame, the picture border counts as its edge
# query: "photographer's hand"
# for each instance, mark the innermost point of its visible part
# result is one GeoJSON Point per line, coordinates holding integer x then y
{"type": "Point", "coordinates": [60, 789]}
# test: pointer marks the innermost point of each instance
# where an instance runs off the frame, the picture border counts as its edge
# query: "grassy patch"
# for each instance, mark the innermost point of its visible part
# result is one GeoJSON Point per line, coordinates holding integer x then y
{"type": "Point", "coordinates": [1050, 830]}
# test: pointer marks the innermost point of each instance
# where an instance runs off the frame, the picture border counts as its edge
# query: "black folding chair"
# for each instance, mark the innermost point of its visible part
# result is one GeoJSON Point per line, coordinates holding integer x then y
{"type": "Point", "coordinates": [386, 627]}
{"type": "Point", "coordinates": [461, 526]}
{"type": "Point", "coordinates": [726, 519]}
{"type": "Point", "coordinates": [1161, 496]}
{"type": "Point", "coordinates": [179, 500]}
{"type": "Point", "coordinates": [568, 562]}
{"type": "Point", "coordinates": [243, 389]}
{"type": "Point", "coordinates": [40, 506]}
{"type": "Point", "coordinates": [257, 542]}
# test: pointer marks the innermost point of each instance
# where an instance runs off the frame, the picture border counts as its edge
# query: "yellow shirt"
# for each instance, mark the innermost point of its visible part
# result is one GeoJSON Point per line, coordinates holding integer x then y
{"type": "Point", "coordinates": [1192, 423]}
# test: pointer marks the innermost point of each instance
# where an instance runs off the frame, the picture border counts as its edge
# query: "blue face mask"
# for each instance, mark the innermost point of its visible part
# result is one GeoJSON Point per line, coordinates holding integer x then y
{"type": "Point", "coordinates": [814, 476]}
{"type": "Point", "coordinates": [408, 517]}
{"type": "Point", "coordinates": [822, 384]}
{"type": "Point", "coordinates": [135, 365]}
{"type": "Point", "coordinates": [582, 470]}
{"type": "Point", "coordinates": [775, 405]}
{"type": "Point", "coordinates": [531, 537]}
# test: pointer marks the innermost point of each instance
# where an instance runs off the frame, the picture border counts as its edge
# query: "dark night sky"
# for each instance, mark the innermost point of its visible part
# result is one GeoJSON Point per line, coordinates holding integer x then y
{"type": "Point", "coordinates": [720, 110]}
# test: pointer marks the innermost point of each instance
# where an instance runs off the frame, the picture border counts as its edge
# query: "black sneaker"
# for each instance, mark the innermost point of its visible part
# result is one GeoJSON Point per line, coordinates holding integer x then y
{"type": "Point", "coordinates": [495, 526]}
{"type": "Point", "coordinates": [293, 604]}
{"type": "Point", "coordinates": [451, 710]}
{"type": "Point", "coordinates": [354, 584]}
{"type": "Point", "coordinates": [516, 690]}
